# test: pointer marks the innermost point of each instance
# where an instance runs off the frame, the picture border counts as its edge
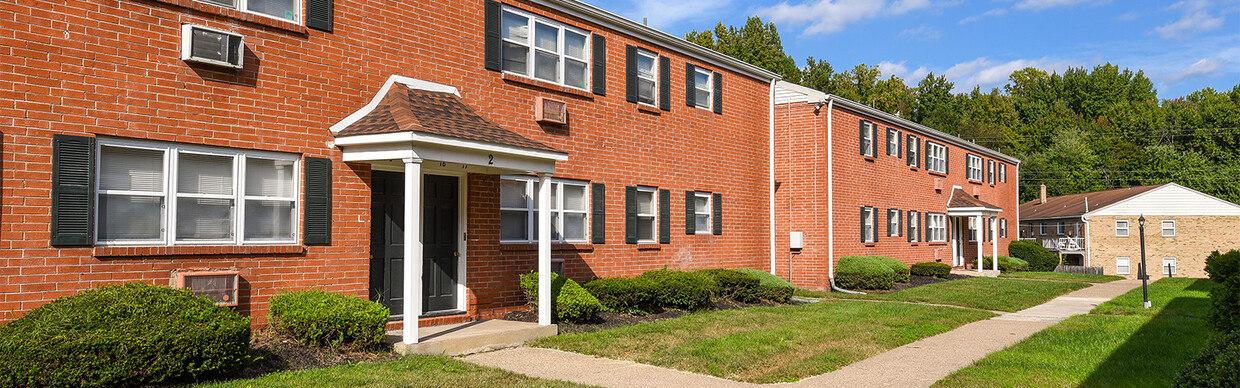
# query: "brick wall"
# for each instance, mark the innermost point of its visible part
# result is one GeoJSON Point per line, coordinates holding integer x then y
{"type": "Point", "coordinates": [112, 69]}
{"type": "Point", "coordinates": [1195, 238]}
{"type": "Point", "coordinates": [883, 182]}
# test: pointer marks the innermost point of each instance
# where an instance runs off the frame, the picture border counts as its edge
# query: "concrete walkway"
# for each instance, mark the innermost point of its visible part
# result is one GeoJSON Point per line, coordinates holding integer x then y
{"type": "Point", "coordinates": [918, 364]}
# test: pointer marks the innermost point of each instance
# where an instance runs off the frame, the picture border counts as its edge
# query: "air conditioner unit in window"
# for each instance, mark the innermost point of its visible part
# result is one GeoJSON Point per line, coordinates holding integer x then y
{"type": "Point", "coordinates": [550, 111]}
{"type": "Point", "coordinates": [211, 46]}
{"type": "Point", "coordinates": [218, 286]}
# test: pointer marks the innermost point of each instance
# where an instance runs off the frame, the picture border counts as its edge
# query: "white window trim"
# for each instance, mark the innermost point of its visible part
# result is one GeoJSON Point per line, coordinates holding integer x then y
{"type": "Point", "coordinates": [868, 224]}
{"type": "Point", "coordinates": [937, 154]}
{"type": "Point", "coordinates": [1059, 228]}
{"type": "Point", "coordinates": [893, 221]}
{"type": "Point", "coordinates": [1003, 228]}
{"type": "Point", "coordinates": [243, 6]}
{"type": "Point", "coordinates": [1175, 267]}
{"type": "Point", "coordinates": [169, 193]}
{"type": "Point", "coordinates": [1042, 228]}
{"type": "Point", "coordinates": [531, 202]}
{"type": "Point", "coordinates": [531, 25]}
{"type": "Point", "coordinates": [653, 215]}
{"type": "Point", "coordinates": [654, 79]}
{"type": "Point", "coordinates": [938, 227]}
{"type": "Point", "coordinates": [911, 147]}
{"type": "Point", "coordinates": [705, 211]}
{"type": "Point", "coordinates": [1164, 228]}
{"type": "Point", "coordinates": [868, 133]}
{"type": "Point", "coordinates": [1127, 267]}
{"type": "Point", "coordinates": [709, 88]}
{"type": "Point", "coordinates": [973, 227]}
{"type": "Point", "coordinates": [973, 168]}
{"type": "Point", "coordinates": [914, 226]}
{"type": "Point", "coordinates": [1002, 173]}
{"type": "Point", "coordinates": [1119, 228]}
{"type": "Point", "coordinates": [990, 171]}
{"type": "Point", "coordinates": [893, 142]}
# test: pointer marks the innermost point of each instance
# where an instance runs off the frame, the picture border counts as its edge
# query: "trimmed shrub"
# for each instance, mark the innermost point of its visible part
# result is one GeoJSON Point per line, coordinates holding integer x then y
{"type": "Point", "coordinates": [623, 295]}
{"type": "Point", "coordinates": [771, 287]}
{"type": "Point", "coordinates": [1217, 367]}
{"type": "Point", "coordinates": [124, 335]}
{"type": "Point", "coordinates": [863, 272]}
{"type": "Point", "coordinates": [572, 302]}
{"type": "Point", "coordinates": [679, 289]}
{"type": "Point", "coordinates": [1038, 257]}
{"type": "Point", "coordinates": [321, 318]}
{"type": "Point", "coordinates": [900, 269]}
{"type": "Point", "coordinates": [1006, 264]}
{"type": "Point", "coordinates": [733, 284]}
{"type": "Point", "coordinates": [930, 268]}
{"type": "Point", "coordinates": [1224, 270]}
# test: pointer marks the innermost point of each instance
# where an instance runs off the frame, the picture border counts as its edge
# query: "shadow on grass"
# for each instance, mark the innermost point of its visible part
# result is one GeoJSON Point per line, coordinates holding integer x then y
{"type": "Point", "coordinates": [1152, 355]}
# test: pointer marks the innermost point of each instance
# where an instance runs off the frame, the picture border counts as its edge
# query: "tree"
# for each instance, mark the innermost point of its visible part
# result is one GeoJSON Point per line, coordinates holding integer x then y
{"type": "Point", "coordinates": [933, 105]}
{"type": "Point", "coordinates": [858, 84]}
{"type": "Point", "coordinates": [818, 74]}
{"type": "Point", "coordinates": [756, 43]}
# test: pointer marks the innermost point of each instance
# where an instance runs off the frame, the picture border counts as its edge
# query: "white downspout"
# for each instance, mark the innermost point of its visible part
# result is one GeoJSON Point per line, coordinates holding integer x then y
{"type": "Point", "coordinates": [1089, 252]}
{"type": "Point", "coordinates": [771, 173]}
{"type": "Point", "coordinates": [830, 195]}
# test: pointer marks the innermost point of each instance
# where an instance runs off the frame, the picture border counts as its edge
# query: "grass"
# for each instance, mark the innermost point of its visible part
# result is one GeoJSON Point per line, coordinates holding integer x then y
{"type": "Point", "coordinates": [411, 371]}
{"type": "Point", "coordinates": [980, 293]}
{"type": "Point", "coordinates": [1070, 277]}
{"type": "Point", "coordinates": [770, 344]}
{"type": "Point", "coordinates": [1119, 344]}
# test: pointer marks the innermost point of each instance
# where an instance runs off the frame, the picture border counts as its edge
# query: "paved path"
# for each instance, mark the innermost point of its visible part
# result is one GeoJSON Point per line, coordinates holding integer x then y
{"type": "Point", "coordinates": [918, 364]}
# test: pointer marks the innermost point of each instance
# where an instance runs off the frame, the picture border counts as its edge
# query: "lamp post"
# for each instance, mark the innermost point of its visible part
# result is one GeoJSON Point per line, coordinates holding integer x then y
{"type": "Point", "coordinates": [1145, 291]}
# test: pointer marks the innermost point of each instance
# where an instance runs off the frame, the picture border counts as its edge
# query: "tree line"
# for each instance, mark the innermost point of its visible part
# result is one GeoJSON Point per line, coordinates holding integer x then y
{"type": "Point", "coordinates": [1080, 131]}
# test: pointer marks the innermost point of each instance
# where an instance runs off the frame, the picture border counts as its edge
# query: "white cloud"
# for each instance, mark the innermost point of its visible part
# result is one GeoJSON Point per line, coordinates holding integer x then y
{"type": "Point", "coordinates": [1128, 16]}
{"type": "Point", "coordinates": [1194, 20]}
{"type": "Point", "coordinates": [1038, 5]}
{"type": "Point", "coordinates": [899, 70]}
{"type": "Point", "coordinates": [974, 18]}
{"type": "Point", "coordinates": [828, 16]}
{"type": "Point", "coordinates": [988, 74]}
{"type": "Point", "coordinates": [1203, 68]}
{"type": "Point", "coordinates": [920, 33]}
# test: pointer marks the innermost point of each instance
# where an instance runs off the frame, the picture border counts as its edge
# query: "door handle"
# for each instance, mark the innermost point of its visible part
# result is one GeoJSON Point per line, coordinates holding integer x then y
{"type": "Point", "coordinates": [456, 254]}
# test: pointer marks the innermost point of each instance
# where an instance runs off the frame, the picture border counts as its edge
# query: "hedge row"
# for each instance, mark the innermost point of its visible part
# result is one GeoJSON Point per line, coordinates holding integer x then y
{"type": "Point", "coordinates": [930, 268]}
{"type": "Point", "coordinates": [320, 318]}
{"type": "Point", "coordinates": [1219, 365]}
{"type": "Point", "coordinates": [1038, 257]}
{"type": "Point", "coordinates": [1006, 264]}
{"type": "Point", "coordinates": [868, 272]}
{"type": "Point", "coordinates": [571, 301]}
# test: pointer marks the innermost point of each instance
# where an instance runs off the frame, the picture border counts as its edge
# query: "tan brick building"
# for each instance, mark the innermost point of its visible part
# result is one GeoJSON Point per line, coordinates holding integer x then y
{"type": "Point", "coordinates": [1182, 227]}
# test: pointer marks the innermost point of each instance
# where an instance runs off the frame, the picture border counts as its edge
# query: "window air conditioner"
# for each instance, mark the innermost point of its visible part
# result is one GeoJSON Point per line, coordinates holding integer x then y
{"type": "Point", "coordinates": [550, 111]}
{"type": "Point", "coordinates": [211, 46]}
{"type": "Point", "coordinates": [218, 286]}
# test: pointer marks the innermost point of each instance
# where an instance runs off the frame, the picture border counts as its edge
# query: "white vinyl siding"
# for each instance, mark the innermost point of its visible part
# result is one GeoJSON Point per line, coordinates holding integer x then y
{"type": "Point", "coordinates": [544, 49]}
{"type": "Point", "coordinates": [936, 157]}
{"type": "Point", "coordinates": [1121, 228]}
{"type": "Point", "coordinates": [1168, 228]}
{"type": "Point", "coordinates": [519, 210]}
{"type": "Point", "coordinates": [1123, 266]}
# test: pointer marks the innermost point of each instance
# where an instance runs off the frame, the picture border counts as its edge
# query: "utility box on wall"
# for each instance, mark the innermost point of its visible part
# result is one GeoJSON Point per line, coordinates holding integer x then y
{"type": "Point", "coordinates": [796, 241]}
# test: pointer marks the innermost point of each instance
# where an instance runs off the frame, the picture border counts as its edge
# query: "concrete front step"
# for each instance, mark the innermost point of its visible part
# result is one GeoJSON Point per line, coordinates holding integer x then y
{"type": "Point", "coordinates": [470, 337]}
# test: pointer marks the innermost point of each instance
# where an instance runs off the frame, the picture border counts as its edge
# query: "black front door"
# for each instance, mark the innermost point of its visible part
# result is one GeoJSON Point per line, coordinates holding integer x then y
{"type": "Point", "coordinates": [439, 231]}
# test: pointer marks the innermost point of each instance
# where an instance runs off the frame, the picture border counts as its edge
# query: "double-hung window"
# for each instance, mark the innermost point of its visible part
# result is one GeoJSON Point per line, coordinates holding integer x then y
{"type": "Point", "coordinates": [1121, 228]}
{"type": "Point", "coordinates": [990, 171]}
{"type": "Point", "coordinates": [703, 88]}
{"type": "Point", "coordinates": [867, 138]}
{"type": "Point", "coordinates": [519, 210]}
{"type": "Point", "coordinates": [973, 167]}
{"type": "Point", "coordinates": [171, 194]}
{"type": "Point", "coordinates": [936, 157]}
{"type": "Point", "coordinates": [937, 224]}
{"type": "Point", "coordinates": [647, 77]}
{"type": "Point", "coordinates": [867, 224]}
{"type": "Point", "coordinates": [1042, 228]}
{"type": "Point", "coordinates": [544, 49]}
{"type": "Point", "coordinates": [1168, 266]}
{"type": "Point", "coordinates": [893, 222]}
{"type": "Point", "coordinates": [280, 9]}
{"type": "Point", "coordinates": [1168, 228]}
{"type": "Point", "coordinates": [913, 146]}
{"type": "Point", "coordinates": [1003, 228]}
{"type": "Point", "coordinates": [701, 212]}
{"type": "Point", "coordinates": [1059, 228]}
{"type": "Point", "coordinates": [1123, 266]}
{"type": "Point", "coordinates": [913, 228]}
{"type": "Point", "coordinates": [893, 142]}
{"type": "Point", "coordinates": [1002, 173]}
{"type": "Point", "coordinates": [646, 207]}
{"type": "Point", "coordinates": [973, 227]}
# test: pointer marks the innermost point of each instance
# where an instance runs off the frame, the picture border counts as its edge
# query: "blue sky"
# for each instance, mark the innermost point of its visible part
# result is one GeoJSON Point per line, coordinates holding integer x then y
{"type": "Point", "coordinates": [1182, 46]}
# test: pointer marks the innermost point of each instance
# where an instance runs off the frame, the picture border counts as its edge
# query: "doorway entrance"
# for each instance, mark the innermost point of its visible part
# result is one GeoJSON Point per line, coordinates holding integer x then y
{"type": "Point", "coordinates": [440, 256]}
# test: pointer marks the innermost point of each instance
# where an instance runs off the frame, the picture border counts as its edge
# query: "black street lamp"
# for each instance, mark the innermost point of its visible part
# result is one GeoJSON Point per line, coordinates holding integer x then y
{"type": "Point", "coordinates": [1145, 291]}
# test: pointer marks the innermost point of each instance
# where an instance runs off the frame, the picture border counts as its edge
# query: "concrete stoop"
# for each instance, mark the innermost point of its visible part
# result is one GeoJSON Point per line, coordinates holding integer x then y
{"type": "Point", "coordinates": [988, 273]}
{"type": "Point", "coordinates": [470, 337]}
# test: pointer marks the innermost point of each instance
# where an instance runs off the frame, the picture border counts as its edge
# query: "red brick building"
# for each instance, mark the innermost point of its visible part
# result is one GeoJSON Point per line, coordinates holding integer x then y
{"type": "Point", "coordinates": [853, 180]}
{"type": "Point", "coordinates": [289, 143]}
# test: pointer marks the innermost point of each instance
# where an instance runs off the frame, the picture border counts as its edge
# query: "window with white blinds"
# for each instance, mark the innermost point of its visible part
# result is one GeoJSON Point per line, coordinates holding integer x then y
{"type": "Point", "coordinates": [163, 194]}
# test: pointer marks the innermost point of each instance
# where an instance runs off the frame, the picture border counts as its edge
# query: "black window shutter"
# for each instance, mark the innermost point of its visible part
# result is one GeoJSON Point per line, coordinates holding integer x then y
{"type": "Point", "coordinates": [861, 136]}
{"type": "Point", "coordinates": [630, 73]}
{"type": "Point", "coordinates": [599, 71]}
{"type": "Point", "coordinates": [717, 217]}
{"type": "Point", "coordinates": [925, 218]}
{"type": "Point", "coordinates": [491, 26]}
{"type": "Point", "coordinates": [665, 83]}
{"type": "Point", "coordinates": [598, 215]}
{"type": "Point", "coordinates": [690, 213]}
{"type": "Point", "coordinates": [947, 160]}
{"type": "Point", "coordinates": [665, 217]}
{"type": "Point", "coordinates": [889, 229]}
{"type": "Point", "coordinates": [630, 215]}
{"type": "Point", "coordinates": [690, 85]}
{"type": "Point", "coordinates": [862, 224]}
{"type": "Point", "coordinates": [717, 92]}
{"type": "Point", "coordinates": [899, 223]}
{"type": "Point", "coordinates": [318, 224]}
{"type": "Point", "coordinates": [899, 150]}
{"type": "Point", "coordinates": [73, 189]}
{"type": "Point", "coordinates": [319, 14]}
{"type": "Point", "coordinates": [889, 135]}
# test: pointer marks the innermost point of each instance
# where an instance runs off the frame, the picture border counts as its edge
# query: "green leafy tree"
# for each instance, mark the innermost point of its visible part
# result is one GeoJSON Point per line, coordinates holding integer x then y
{"type": "Point", "coordinates": [818, 75]}
{"type": "Point", "coordinates": [756, 43]}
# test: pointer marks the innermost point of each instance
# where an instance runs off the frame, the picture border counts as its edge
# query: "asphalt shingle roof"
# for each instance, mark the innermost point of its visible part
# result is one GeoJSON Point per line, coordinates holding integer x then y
{"type": "Point", "coordinates": [961, 199]}
{"type": "Point", "coordinates": [1074, 204]}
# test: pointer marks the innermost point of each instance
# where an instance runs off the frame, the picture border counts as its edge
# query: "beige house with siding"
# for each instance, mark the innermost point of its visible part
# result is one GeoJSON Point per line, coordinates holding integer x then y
{"type": "Point", "coordinates": [1182, 227]}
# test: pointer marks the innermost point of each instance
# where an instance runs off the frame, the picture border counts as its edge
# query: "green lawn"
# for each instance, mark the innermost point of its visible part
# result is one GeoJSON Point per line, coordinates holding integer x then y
{"type": "Point", "coordinates": [979, 293]}
{"type": "Point", "coordinates": [412, 371]}
{"type": "Point", "coordinates": [770, 344]}
{"type": "Point", "coordinates": [1119, 344]}
{"type": "Point", "coordinates": [1069, 277]}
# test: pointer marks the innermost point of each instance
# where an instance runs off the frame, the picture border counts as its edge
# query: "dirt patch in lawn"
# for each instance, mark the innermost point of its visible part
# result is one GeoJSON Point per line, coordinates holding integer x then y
{"type": "Point", "coordinates": [609, 320]}
{"type": "Point", "coordinates": [274, 353]}
{"type": "Point", "coordinates": [916, 281]}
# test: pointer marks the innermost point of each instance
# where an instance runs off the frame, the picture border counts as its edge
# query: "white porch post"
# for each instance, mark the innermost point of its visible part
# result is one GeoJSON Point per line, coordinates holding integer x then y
{"type": "Point", "coordinates": [994, 243]}
{"type": "Point", "coordinates": [981, 236]}
{"type": "Point", "coordinates": [951, 228]}
{"type": "Point", "coordinates": [413, 249]}
{"type": "Point", "coordinates": [544, 249]}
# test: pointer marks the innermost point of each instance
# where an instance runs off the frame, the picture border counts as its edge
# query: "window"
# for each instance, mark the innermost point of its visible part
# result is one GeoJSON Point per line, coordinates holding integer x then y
{"type": "Point", "coordinates": [973, 170]}
{"type": "Point", "coordinates": [913, 229]}
{"type": "Point", "coordinates": [867, 138]}
{"type": "Point", "coordinates": [867, 224]}
{"type": "Point", "coordinates": [1059, 228]}
{"type": "Point", "coordinates": [1168, 228]}
{"type": "Point", "coordinates": [1002, 173]}
{"type": "Point", "coordinates": [543, 49]}
{"type": "Point", "coordinates": [990, 171]}
{"type": "Point", "coordinates": [281, 9]}
{"type": "Point", "coordinates": [913, 145]}
{"type": "Point", "coordinates": [893, 222]}
{"type": "Point", "coordinates": [701, 212]}
{"type": "Point", "coordinates": [1042, 228]}
{"type": "Point", "coordinates": [973, 229]}
{"type": "Point", "coordinates": [1003, 228]}
{"type": "Point", "coordinates": [1122, 266]}
{"type": "Point", "coordinates": [1168, 266]}
{"type": "Point", "coordinates": [702, 87]}
{"type": "Point", "coordinates": [519, 210]}
{"type": "Point", "coordinates": [936, 224]}
{"type": "Point", "coordinates": [936, 157]}
{"type": "Point", "coordinates": [1121, 228]}
{"type": "Point", "coordinates": [893, 142]}
{"type": "Point", "coordinates": [646, 215]}
{"type": "Point", "coordinates": [161, 194]}
{"type": "Point", "coordinates": [647, 74]}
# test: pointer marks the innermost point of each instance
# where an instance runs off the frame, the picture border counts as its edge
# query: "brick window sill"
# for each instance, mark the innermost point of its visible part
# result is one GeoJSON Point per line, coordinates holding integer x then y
{"type": "Point", "coordinates": [207, 250]}
{"type": "Point", "coordinates": [238, 14]}
{"type": "Point", "coordinates": [555, 247]}
{"type": "Point", "coordinates": [520, 79]}
{"type": "Point", "coordinates": [649, 109]}
{"type": "Point", "coordinates": [649, 247]}
{"type": "Point", "coordinates": [936, 173]}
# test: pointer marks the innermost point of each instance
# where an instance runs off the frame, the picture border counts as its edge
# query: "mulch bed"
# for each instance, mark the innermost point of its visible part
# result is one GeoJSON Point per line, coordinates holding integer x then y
{"type": "Point", "coordinates": [275, 353]}
{"type": "Point", "coordinates": [609, 320]}
{"type": "Point", "coordinates": [916, 281]}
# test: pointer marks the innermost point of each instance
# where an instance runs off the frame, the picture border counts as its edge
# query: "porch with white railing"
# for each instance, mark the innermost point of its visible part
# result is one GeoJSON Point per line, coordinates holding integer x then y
{"type": "Point", "coordinates": [1064, 244]}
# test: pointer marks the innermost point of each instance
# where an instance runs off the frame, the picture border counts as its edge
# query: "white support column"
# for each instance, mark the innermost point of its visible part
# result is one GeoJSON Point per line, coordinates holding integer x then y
{"type": "Point", "coordinates": [951, 228]}
{"type": "Point", "coordinates": [413, 249]}
{"type": "Point", "coordinates": [544, 249]}
{"type": "Point", "coordinates": [981, 235]}
{"type": "Point", "coordinates": [994, 242]}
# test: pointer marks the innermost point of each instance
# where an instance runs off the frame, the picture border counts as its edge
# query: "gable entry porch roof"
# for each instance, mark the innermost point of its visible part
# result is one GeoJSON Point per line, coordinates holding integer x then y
{"type": "Point", "coordinates": [961, 204]}
{"type": "Point", "coordinates": [409, 122]}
